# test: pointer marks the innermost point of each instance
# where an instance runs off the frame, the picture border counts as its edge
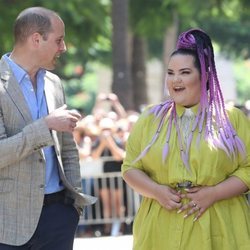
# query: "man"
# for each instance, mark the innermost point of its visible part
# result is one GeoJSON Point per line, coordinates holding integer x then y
{"type": "Point", "coordinates": [40, 184]}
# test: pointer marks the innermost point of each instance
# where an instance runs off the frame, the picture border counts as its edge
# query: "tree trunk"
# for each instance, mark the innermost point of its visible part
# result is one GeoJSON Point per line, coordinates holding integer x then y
{"type": "Point", "coordinates": [139, 72]}
{"type": "Point", "coordinates": [169, 44]}
{"type": "Point", "coordinates": [121, 84]}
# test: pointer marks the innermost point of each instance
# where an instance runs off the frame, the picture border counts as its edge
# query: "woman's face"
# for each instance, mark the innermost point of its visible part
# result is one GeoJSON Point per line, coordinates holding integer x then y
{"type": "Point", "coordinates": [183, 80]}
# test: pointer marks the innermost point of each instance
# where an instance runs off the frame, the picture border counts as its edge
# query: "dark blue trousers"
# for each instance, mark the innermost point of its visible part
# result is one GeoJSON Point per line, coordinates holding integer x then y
{"type": "Point", "coordinates": [55, 230]}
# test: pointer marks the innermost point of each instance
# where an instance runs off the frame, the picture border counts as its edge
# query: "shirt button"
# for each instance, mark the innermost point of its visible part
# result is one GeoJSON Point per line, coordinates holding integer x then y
{"type": "Point", "coordinates": [41, 186]}
{"type": "Point", "coordinates": [41, 160]}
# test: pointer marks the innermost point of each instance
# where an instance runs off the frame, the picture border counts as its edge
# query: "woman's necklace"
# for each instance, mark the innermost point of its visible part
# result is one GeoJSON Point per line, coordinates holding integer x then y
{"type": "Point", "coordinates": [185, 127]}
{"type": "Point", "coordinates": [185, 123]}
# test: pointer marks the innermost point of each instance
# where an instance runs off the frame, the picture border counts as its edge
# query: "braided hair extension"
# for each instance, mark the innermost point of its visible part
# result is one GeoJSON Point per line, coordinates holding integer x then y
{"type": "Point", "coordinates": [212, 102]}
{"type": "Point", "coordinates": [219, 132]}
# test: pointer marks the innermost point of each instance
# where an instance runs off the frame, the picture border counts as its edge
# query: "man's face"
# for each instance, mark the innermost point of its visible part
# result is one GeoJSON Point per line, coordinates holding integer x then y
{"type": "Point", "coordinates": [53, 46]}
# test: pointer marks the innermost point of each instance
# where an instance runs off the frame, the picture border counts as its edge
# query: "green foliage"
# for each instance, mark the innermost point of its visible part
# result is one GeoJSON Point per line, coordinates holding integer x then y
{"type": "Point", "coordinates": [150, 18]}
{"type": "Point", "coordinates": [8, 13]}
{"type": "Point", "coordinates": [227, 22]}
{"type": "Point", "coordinates": [81, 92]}
{"type": "Point", "coordinates": [241, 69]}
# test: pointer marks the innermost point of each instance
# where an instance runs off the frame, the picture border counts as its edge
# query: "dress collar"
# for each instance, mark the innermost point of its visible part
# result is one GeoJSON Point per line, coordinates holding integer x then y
{"type": "Point", "coordinates": [180, 110]}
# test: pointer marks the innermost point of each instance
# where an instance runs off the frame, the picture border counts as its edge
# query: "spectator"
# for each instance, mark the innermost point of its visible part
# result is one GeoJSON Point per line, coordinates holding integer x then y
{"type": "Point", "coordinates": [109, 146]}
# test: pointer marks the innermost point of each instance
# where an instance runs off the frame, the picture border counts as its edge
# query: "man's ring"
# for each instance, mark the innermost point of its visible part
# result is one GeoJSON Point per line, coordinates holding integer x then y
{"type": "Point", "coordinates": [194, 204]}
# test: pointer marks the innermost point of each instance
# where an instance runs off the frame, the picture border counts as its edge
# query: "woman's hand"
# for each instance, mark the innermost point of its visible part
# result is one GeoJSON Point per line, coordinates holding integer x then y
{"type": "Point", "coordinates": [168, 197]}
{"type": "Point", "coordinates": [200, 199]}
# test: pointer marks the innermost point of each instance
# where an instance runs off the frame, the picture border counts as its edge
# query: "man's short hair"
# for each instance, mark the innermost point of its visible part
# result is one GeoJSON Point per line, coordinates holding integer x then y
{"type": "Point", "coordinates": [31, 20]}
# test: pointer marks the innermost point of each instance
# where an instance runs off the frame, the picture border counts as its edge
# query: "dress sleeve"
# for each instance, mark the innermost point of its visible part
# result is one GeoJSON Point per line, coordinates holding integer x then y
{"type": "Point", "coordinates": [241, 125]}
{"type": "Point", "coordinates": [134, 144]}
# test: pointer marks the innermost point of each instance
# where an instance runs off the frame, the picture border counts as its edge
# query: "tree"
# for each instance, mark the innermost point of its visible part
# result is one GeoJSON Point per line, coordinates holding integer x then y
{"type": "Point", "coordinates": [228, 27]}
{"type": "Point", "coordinates": [145, 23]}
{"type": "Point", "coordinates": [138, 69]}
{"type": "Point", "coordinates": [121, 66]}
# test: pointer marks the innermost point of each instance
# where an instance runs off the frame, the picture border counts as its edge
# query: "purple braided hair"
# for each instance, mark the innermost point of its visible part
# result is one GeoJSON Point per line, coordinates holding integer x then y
{"type": "Point", "coordinates": [212, 108]}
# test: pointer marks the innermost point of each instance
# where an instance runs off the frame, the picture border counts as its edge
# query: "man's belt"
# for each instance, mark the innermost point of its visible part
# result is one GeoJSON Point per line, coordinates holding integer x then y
{"type": "Point", "coordinates": [58, 197]}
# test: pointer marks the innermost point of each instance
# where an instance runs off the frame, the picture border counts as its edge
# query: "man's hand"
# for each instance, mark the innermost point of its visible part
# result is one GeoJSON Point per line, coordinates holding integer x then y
{"type": "Point", "coordinates": [62, 119]}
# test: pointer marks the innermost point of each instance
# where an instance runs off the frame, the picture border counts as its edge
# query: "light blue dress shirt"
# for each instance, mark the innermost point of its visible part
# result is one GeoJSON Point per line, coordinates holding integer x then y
{"type": "Point", "coordinates": [37, 104]}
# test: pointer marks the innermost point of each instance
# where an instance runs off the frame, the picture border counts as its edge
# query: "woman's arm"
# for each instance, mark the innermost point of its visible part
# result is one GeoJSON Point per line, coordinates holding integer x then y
{"type": "Point", "coordinates": [229, 188]}
{"type": "Point", "coordinates": [144, 185]}
{"type": "Point", "coordinates": [117, 153]}
{"type": "Point", "coordinates": [96, 153]}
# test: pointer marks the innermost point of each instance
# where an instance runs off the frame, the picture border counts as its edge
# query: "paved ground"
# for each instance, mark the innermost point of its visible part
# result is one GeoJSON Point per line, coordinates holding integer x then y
{"type": "Point", "coordinates": [104, 243]}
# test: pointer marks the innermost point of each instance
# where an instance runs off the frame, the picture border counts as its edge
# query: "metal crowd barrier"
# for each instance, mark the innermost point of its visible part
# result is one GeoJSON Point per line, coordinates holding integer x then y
{"type": "Point", "coordinates": [93, 179]}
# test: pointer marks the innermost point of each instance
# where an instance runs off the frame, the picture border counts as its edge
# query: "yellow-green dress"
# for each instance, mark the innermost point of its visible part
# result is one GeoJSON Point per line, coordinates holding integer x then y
{"type": "Point", "coordinates": [223, 226]}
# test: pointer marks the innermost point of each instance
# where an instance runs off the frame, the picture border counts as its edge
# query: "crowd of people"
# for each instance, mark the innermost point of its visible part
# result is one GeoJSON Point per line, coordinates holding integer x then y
{"type": "Point", "coordinates": [102, 135]}
{"type": "Point", "coordinates": [107, 118]}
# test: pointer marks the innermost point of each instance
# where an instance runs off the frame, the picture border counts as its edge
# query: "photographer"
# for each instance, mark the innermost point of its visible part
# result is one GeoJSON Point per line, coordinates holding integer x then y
{"type": "Point", "coordinates": [108, 145]}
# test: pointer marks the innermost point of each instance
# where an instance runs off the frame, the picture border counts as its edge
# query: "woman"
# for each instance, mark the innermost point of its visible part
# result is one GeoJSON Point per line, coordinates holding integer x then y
{"type": "Point", "coordinates": [189, 159]}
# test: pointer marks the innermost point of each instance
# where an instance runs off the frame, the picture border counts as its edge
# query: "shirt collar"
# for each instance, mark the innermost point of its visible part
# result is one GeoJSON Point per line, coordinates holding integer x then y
{"type": "Point", "coordinates": [180, 110]}
{"type": "Point", "coordinates": [18, 71]}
